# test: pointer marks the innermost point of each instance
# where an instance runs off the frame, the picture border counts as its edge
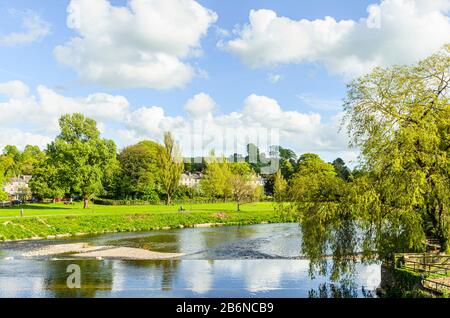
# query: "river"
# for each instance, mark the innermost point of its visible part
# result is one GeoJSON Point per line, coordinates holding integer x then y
{"type": "Point", "coordinates": [247, 261]}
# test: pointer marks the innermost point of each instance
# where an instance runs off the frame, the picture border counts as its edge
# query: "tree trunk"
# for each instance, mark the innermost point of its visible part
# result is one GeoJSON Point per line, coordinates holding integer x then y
{"type": "Point", "coordinates": [86, 203]}
{"type": "Point", "coordinates": [168, 200]}
{"type": "Point", "coordinates": [239, 206]}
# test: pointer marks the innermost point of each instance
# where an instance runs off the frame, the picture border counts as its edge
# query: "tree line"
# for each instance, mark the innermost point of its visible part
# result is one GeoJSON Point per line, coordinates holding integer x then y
{"type": "Point", "coordinates": [79, 163]}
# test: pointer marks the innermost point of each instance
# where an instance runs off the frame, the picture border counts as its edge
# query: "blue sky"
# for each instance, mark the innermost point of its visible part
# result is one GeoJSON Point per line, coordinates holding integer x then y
{"type": "Point", "coordinates": [293, 73]}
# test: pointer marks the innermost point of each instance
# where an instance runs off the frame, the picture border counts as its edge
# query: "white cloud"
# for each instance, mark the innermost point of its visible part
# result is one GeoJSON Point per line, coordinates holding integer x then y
{"type": "Point", "coordinates": [200, 105]}
{"type": "Point", "coordinates": [140, 45]}
{"type": "Point", "coordinates": [28, 118]}
{"type": "Point", "coordinates": [395, 31]}
{"type": "Point", "coordinates": [14, 89]}
{"type": "Point", "coordinates": [41, 112]}
{"type": "Point", "coordinates": [34, 29]}
{"type": "Point", "coordinates": [20, 138]}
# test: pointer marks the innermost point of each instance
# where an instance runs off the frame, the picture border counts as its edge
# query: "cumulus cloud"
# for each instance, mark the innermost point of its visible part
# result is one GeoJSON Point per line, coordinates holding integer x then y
{"type": "Point", "coordinates": [34, 29]}
{"type": "Point", "coordinates": [394, 31]}
{"type": "Point", "coordinates": [141, 45]}
{"type": "Point", "coordinates": [22, 138]}
{"type": "Point", "coordinates": [200, 105]}
{"type": "Point", "coordinates": [42, 111]}
{"type": "Point", "coordinates": [33, 118]}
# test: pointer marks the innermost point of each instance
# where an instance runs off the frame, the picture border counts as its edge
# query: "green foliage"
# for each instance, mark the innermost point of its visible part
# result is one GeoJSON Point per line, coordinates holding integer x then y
{"type": "Point", "coordinates": [280, 187]}
{"type": "Point", "coordinates": [341, 169]}
{"type": "Point", "coordinates": [400, 119]}
{"type": "Point", "coordinates": [44, 184]}
{"type": "Point", "coordinates": [171, 167]}
{"type": "Point", "coordinates": [80, 157]}
{"type": "Point", "coordinates": [3, 196]}
{"type": "Point", "coordinates": [315, 191]}
{"type": "Point", "coordinates": [14, 163]}
{"type": "Point", "coordinates": [139, 171]}
{"type": "Point", "coordinates": [215, 179]}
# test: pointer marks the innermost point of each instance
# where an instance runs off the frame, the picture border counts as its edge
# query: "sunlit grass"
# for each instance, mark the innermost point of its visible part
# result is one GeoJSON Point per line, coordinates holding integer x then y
{"type": "Point", "coordinates": [59, 209]}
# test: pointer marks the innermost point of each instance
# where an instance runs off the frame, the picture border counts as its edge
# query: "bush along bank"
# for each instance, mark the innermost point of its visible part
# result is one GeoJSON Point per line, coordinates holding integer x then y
{"type": "Point", "coordinates": [45, 227]}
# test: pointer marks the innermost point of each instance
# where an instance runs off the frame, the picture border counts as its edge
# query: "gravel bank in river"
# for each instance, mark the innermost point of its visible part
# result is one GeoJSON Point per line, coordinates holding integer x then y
{"type": "Point", "coordinates": [84, 250]}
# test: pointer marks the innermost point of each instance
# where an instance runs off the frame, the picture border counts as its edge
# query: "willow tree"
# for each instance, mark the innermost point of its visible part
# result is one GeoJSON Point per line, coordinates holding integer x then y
{"type": "Point", "coordinates": [171, 166]}
{"type": "Point", "coordinates": [399, 118]}
{"type": "Point", "coordinates": [316, 192]}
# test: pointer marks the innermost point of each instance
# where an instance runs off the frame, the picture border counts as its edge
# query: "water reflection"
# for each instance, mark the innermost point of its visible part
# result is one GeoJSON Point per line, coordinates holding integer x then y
{"type": "Point", "coordinates": [95, 276]}
{"type": "Point", "coordinates": [254, 261]}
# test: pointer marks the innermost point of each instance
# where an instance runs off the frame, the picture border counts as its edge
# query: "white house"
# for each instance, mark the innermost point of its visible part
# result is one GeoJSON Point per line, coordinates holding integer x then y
{"type": "Point", "coordinates": [16, 188]}
{"type": "Point", "coordinates": [191, 180]}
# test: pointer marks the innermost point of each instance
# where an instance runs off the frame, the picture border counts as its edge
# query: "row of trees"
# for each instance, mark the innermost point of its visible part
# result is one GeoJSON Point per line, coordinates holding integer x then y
{"type": "Point", "coordinates": [82, 164]}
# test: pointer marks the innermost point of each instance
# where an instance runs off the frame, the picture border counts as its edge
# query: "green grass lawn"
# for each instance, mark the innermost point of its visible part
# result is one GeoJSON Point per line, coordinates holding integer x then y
{"type": "Point", "coordinates": [58, 209]}
{"type": "Point", "coordinates": [48, 220]}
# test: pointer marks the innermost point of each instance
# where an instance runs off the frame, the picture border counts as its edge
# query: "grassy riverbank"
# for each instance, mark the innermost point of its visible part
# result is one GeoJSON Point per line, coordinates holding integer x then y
{"type": "Point", "coordinates": [50, 220]}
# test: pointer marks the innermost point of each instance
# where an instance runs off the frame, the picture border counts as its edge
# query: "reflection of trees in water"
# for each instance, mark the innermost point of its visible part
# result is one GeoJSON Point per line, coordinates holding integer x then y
{"type": "Point", "coordinates": [166, 269]}
{"type": "Point", "coordinates": [344, 290]}
{"type": "Point", "coordinates": [95, 276]}
{"type": "Point", "coordinates": [336, 239]}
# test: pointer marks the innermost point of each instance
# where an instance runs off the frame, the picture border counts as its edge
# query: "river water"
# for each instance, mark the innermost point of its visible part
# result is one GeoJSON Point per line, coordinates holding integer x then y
{"type": "Point", "coordinates": [246, 261]}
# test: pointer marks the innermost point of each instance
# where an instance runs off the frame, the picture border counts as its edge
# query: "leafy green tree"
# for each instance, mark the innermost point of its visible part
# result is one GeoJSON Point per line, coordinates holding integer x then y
{"type": "Point", "coordinates": [287, 154]}
{"type": "Point", "coordinates": [215, 179]}
{"type": "Point", "coordinates": [315, 192]}
{"type": "Point", "coordinates": [30, 157]}
{"type": "Point", "coordinates": [45, 184]}
{"type": "Point", "coordinates": [400, 119]}
{"type": "Point", "coordinates": [81, 156]}
{"type": "Point", "coordinates": [139, 171]}
{"type": "Point", "coordinates": [171, 167]}
{"type": "Point", "coordinates": [280, 187]}
{"type": "Point", "coordinates": [341, 169]}
{"type": "Point", "coordinates": [3, 195]}
{"type": "Point", "coordinates": [11, 159]}
{"type": "Point", "coordinates": [315, 181]}
{"type": "Point", "coordinates": [241, 168]}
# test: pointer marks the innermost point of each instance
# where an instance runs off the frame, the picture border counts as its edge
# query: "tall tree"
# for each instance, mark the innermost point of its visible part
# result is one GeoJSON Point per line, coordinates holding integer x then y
{"type": "Point", "coordinates": [12, 158]}
{"type": "Point", "coordinates": [400, 119]}
{"type": "Point", "coordinates": [81, 156]}
{"type": "Point", "coordinates": [138, 176]}
{"type": "Point", "coordinates": [315, 192]}
{"type": "Point", "coordinates": [171, 167]}
{"type": "Point", "coordinates": [279, 187]}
